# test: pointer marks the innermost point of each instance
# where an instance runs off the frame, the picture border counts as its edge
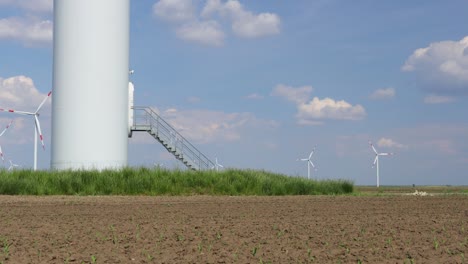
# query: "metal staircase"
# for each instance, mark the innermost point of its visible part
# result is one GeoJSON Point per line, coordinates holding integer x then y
{"type": "Point", "coordinates": [146, 119]}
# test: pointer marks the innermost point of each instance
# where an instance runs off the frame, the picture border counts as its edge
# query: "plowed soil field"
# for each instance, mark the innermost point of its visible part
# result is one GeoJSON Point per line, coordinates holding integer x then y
{"type": "Point", "coordinates": [202, 229]}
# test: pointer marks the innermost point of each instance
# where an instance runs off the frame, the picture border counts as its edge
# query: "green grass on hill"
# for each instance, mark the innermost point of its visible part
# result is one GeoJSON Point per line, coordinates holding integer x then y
{"type": "Point", "coordinates": [144, 181]}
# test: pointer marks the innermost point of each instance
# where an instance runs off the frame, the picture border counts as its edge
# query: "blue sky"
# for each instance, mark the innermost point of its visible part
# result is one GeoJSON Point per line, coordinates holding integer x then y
{"type": "Point", "coordinates": [258, 84]}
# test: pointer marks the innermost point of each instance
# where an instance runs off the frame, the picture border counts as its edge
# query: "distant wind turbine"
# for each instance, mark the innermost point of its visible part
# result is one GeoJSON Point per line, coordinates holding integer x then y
{"type": "Point", "coordinates": [376, 160]}
{"type": "Point", "coordinates": [12, 165]}
{"type": "Point", "coordinates": [309, 162]}
{"type": "Point", "coordinates": [37, 129]}
{"type": "Point", "coordinates": [217, 165]}
{"type": "Point", "coordinates": [159, 165]}
{"type": "Point", "coordinates": [1, 134]}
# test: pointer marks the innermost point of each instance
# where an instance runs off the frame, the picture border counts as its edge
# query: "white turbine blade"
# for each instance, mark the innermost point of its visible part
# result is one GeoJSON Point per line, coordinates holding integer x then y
{"type": "Point", "coordinates": [43, 102]}
{"type": "Point", "coordinates": [1, 154]}
{"type": "Point", "coordinates": [375, 160]}
{"type": "Point", "coordinates": [311, 163]}
{"type": "Point", "coordinates": [311, 153]}
{"type": "Point", "coordinates": [38, 129]}
{"type": "Point", "coordinates": [217, 165]}
{"type": "Point", "coordinates": [16, 112]}
{"type": "Point", "coordinates": [9, 124]}
{"type": "Point", "coordinates": [304, 159]}
{"type": "Point", "coordinates": [373, 148]}
{"type": "Point", "coordinates": [385, 154]}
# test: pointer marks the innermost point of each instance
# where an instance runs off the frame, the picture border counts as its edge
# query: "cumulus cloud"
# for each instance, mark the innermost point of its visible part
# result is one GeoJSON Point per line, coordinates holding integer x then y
{"type": "Point", "coordinates": [328, 108]}
{"type": "Point", "coordinates": [244, 23]}
{"type": "Point", "coordinates": [205, 28]}
{"type": "Point", "coordinates": [297, 95]}
{"type": "Point", "coordinates": [442, 67]}
{"type": "Point", "coordinates": [30, 5]}
{"type": "Point", "coordinates": [314, 111]}
{"type": "Point", "coordinates": [389, 143]}
{"type": "Point", "coordinates": [182, 15]}
{"type": "Point", "coordinates": [384, 93]}
{"type": "Point", "coordinates": [20, 93]}
{"type": "Point", "coordinates": [205, 126]}
{"type": "Point", "coordinates": [205, 32]}
{"type": "Point", "coordinates": [174, 10]}
{"type": "Point", "coordinates": [29, 31]}
{"type": "Point", "coordinates": [438, 99]}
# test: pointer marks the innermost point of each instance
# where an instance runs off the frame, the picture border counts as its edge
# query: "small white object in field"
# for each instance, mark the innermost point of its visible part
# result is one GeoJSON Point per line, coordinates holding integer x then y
{"type": "Point", "coordinates": [418, 193]}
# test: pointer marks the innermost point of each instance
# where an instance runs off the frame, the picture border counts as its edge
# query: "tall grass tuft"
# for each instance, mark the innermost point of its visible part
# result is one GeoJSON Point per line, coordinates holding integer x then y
{"type": "Point", "coordinates": [159, 181]}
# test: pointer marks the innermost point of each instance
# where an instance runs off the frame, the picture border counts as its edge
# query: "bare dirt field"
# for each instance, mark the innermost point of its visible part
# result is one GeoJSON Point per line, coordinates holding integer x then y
{"type": "Point", "coordinates": [202, 229]}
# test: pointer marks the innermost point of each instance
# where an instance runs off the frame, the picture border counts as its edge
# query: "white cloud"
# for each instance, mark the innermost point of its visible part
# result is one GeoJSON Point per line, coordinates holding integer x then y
{"type": "Point", "coordinates": [328, 108]}
{"type": "Point", "coordinates": [442, 67]}
{"type": "Point", "coordinates": [30, 5]}
{"type": "Point", "coordinates": [297, 95]}
{"type": "Point", "coordinates": [389, 143]}
{"type": "Point", "coordinates": [29, 31]}
{"type": "Point", "coordinates": [384, 93]}
{"type": "Point", "coordinates": [438, 99]}
{"type": "Point", "coordinates": [205, 32]}
{"type": "Point", "coordinates": [188, 27]}
{"type": "Point", "coordinates": [20, 93]}
{"type": "Point", "coordinates": [250, 26]}
{"type": "Point", "coordinates": [244, 23]}
{"type": "Point", "coordinates": [206, 28]}
{"type": "Point", "coordinates": [314, 111]}
{"type": "Point", "coordinates": [211, 7]}
{"type": "Point", "coordinates": [174, 10]}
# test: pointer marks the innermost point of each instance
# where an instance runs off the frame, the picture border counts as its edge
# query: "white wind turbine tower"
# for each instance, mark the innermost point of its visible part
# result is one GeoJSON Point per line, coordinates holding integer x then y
{"type": "Point", "coordinates": [376, 160]}
{"type": "Point", "coordinates": [37, 129]}
{"type": "Point", "coordinates": [1, 134]}
{"type": "Point", "coordinates": [309, 162]}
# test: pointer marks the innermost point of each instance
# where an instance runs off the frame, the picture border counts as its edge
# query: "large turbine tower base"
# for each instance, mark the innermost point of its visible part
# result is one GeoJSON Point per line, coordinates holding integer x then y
{"type": "Point", "coordinates": [90, 84]}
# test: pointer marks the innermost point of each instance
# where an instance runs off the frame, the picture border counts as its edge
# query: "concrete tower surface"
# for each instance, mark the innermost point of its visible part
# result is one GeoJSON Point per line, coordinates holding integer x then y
{"type": "Point", "coordinates": [90, 84]}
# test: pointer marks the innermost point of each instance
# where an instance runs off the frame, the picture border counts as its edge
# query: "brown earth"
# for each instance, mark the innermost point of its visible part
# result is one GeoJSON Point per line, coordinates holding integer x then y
{"type": "Point", "coordinates": [202, 229]}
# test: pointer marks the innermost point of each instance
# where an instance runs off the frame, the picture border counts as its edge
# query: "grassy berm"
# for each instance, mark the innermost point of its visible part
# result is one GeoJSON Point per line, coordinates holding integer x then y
{"type": "Point", "coordinates": [144, 181]}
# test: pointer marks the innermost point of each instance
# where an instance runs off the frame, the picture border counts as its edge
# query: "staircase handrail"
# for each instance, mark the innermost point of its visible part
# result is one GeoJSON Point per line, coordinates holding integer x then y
{"type": "Point", "coordinates": [162, 127]}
